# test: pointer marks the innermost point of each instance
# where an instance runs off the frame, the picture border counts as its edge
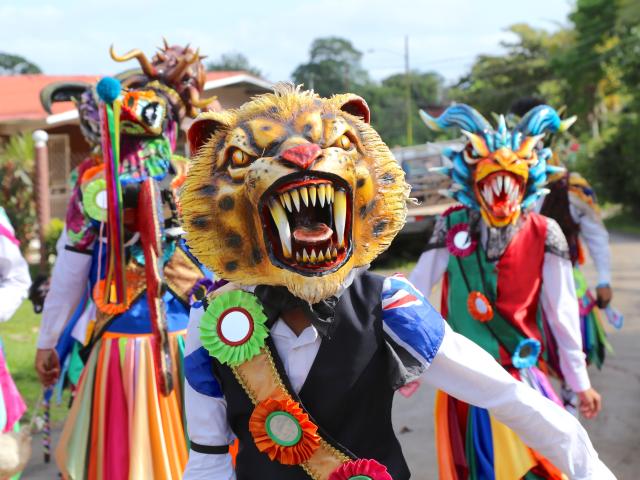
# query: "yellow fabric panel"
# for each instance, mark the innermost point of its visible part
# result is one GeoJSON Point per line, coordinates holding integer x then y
{"type": "Point", "coordinates": [512, 459]}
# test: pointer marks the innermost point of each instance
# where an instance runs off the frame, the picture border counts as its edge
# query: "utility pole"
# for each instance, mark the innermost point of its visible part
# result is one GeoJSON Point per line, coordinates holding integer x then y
{"type": "Point", "coordinates": [407, 74]}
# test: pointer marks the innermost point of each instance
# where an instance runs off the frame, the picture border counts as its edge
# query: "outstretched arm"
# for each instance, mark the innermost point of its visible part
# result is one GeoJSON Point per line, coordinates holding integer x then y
{"type": "Point", "coordinates": [560, 307]}
{"type": "Point", "coordinates": [595, 235]}
{"type": "Point", "coordinates": [206, 411]}
{"type": "Point", "coordinates": [429, 270]}
{"type": "Point", "coordinates": [68, 283]}
{"type": "Point", "coordinates": [467, 372]}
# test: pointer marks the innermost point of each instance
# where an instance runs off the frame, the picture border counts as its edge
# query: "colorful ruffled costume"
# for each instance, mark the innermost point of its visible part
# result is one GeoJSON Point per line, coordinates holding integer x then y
{"type": "Point", "coordinates": [508, 286]}
{"type": "Point", "coordinates": [121, 286]}
{"type": "Point", "coordinates": [14, 284]}
{"type": "Point", "coordinates": [298, 357]}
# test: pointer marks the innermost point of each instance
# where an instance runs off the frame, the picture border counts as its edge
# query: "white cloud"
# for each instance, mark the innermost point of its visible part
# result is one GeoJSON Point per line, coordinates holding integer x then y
{"type": "Point", "coordinates": [73, 36]}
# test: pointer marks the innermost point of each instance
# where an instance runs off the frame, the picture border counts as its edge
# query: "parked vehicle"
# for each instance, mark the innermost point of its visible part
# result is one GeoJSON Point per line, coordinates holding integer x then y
{"type": "Point", "coordinates": [425, 185]}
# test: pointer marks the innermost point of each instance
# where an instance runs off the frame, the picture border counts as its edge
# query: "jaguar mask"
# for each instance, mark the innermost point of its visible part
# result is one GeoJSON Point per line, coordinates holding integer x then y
{"type": "Point", "coordinates": [291, 189]}
{"type": "Point", "coordinates": [499, 171]}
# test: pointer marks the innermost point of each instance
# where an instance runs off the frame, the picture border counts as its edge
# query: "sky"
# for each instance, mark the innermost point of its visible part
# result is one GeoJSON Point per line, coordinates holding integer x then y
{"type": "Point", "coordinates": [73, 36]}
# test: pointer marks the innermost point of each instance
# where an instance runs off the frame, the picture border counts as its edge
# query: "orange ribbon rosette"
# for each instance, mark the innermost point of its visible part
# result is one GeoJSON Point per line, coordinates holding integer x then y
{"type": "Point", "coordinates": [283, 431]}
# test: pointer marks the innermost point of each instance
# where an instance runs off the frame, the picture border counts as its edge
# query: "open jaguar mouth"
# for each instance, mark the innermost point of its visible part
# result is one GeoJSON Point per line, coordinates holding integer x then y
{"type": "Point", "coordinates": [501, 193]}
{"type": "Point", "coordinates": [307, 222]}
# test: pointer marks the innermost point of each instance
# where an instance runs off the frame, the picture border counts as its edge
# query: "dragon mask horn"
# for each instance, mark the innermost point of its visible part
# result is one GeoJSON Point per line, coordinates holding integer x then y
{"type": "Point", "coordinates": [459, 115]}
{"type": "Point", "coordinates": [61, 92]}
{"type": "Point", "coordinates": [139, 55]}
{"type": "Point", "coordinates": [542, 119]}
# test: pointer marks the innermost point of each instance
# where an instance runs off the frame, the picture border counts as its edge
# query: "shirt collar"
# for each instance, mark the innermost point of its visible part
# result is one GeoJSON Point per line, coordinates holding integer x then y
{"type": "Point", "coordinates": [280, 329]}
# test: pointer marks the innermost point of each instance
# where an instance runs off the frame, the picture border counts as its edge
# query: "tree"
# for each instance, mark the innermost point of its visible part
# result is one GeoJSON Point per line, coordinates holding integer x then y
{"type": "Point", "coordinates": [495, 82]}
{"type": "Point", "coordinates": [16, 65]}
{"type": "Point", "coordinates": [388, 105]}
{"type": "Point", "coordinates": [233, 61]}
{"type": "Point", "coordinates": [334, 66]}
{"type": "Point", "coordinates": [16, 185]}
{"type": "Point", "coordinates": [610, 157]}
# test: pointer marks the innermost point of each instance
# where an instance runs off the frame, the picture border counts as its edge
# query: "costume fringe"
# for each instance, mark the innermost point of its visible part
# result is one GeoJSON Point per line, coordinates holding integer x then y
{"type": "Point", "coordinates": [119, 409]}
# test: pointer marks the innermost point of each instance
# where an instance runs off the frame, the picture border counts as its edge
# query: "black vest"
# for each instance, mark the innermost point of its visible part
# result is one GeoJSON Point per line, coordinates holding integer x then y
{"type": "Point", "coordinates": [347, 393]}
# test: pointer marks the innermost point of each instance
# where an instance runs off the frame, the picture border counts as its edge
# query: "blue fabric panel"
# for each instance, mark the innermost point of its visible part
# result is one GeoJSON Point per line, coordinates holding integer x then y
{"type": "Point", "coordinates": [483, 443]}
{"type": "Point", "coordinates": [136, 319]}
{"type": "Point", "coordinates": [410, 319]}
{"type": "Point", "coordinates": [199, 374]}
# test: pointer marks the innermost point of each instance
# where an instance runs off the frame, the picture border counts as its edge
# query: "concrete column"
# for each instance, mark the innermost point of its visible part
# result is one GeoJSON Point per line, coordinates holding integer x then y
{"type": "Point", "coordinates": [43, 201]}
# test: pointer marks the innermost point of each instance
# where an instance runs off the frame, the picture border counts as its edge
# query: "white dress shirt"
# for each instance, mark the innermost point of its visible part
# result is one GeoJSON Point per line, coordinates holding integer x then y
{"type": "Point", "coordinates": [68, 283]}
{"type": "Point", "coordinates": [14, 274]}
{"type": "Point", "coordinates": [460, 368]}
{"type": "Point", "coordinates": [594, 234]}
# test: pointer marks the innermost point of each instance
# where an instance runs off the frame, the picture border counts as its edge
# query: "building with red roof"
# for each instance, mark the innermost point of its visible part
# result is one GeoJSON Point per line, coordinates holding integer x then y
{"type": "Point", "coordinates": [22, 112]}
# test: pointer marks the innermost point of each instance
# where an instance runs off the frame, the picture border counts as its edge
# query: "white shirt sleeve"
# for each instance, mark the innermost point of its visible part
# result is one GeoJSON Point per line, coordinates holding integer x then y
{"type": "Point", "coordinates": [68, 283]}
{"type": "Point", "coordinates": [595, 235]}
{"type": "Point", "coordinates": [206, 420]}
{"type": "Point", "coordinates": [429, 270]}
{"type": "Point", "coordinates": [14, 278]}
{"type": "Point", "coordinates": [467, 372]}
{"type": "Point", "coordinates": [560, 307]}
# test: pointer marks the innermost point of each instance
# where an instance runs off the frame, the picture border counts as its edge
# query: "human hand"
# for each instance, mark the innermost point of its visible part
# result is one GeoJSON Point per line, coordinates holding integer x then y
{"type": "Point", "coordinates": [47, 366]}
{"type": "Point", "coordinates": [604, 295]}
{"type": "Point", "coordinates": [590, 403]}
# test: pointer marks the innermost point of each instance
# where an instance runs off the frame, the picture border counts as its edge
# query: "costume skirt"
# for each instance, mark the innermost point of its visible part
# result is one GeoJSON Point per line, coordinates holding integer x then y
{"type": "Point", "coordinates": [12, 406]}
{"type": "Point", "coordinates": [473, 445]}
{"type": "Point", "coordinates": [120, 426]}
{"type": "Point", "coordinates": [594, 338]}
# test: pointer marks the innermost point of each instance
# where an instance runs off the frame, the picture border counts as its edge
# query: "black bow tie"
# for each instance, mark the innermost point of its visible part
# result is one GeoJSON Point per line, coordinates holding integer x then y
{"type": "Point", "coordinates": [277, 300]}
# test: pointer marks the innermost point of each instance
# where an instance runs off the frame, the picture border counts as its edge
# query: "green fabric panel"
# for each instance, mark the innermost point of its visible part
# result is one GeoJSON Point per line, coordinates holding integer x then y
{"type": "Point", "coordinates": [469, 449]}
{"type": "Point", "coordinates": [458, 316]}
{"type": "Point", "coordinates": [181, 370]}
{"type": "Point", "coordinates": [78, 448]}
{"type": "Point", "coordinates": [122, 346]}
{"type": "Point", "coordinates": [485, 334]}
{"type": "Point", "coordinates": [75, 364]}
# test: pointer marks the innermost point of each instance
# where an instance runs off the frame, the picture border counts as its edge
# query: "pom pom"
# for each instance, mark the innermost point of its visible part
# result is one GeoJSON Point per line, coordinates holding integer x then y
{"type": "Point", "coordinates": [109, 89]}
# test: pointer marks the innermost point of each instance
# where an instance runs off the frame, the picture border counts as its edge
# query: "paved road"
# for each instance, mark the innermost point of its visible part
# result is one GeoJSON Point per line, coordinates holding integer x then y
{"type": "Point", "coordinates": [616, 432]}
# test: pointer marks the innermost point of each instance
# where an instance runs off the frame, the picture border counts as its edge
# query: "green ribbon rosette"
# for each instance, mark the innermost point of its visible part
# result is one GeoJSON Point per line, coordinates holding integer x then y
{"type": "Point", "coordinates": [233, 327]}
{"type": "Point", "coordinates": [94, 199]}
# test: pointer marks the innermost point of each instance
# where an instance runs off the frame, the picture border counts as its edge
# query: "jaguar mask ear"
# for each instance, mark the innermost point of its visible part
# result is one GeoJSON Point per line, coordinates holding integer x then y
{"type": "Point", "coordinates": [205, 126]}
{"type": "Point", "coordinates": [354, 105]}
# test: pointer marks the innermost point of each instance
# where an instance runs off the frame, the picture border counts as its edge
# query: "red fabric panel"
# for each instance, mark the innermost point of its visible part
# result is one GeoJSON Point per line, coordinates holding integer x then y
{"type": "Point", "coordinates": [116, 442]}
{"type": "Point", "coordinates": [520, 276]}
{"type": "Point", "coordinates": [444, 308]}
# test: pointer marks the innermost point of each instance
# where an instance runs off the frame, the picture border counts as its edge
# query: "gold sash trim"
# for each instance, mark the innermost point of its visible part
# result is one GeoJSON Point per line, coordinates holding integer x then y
{"type": "Point", "coordinates": [260, 379]}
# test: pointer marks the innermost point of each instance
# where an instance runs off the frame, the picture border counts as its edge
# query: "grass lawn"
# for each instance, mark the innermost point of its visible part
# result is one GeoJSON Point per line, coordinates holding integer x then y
{"type": "Point", "coordinates": [19, 340]}
{"type": "Point", "coordinates": [623, 222]}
